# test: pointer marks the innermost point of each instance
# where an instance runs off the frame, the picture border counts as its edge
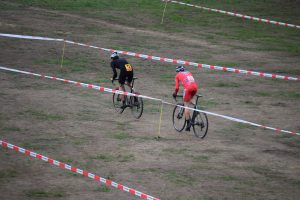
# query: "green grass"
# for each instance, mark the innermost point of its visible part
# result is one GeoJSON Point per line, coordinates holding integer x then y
{"type": "Point", "coordinates": [263, 94]}
{"type": "Point", "coordinates": [199, 158]}
{"type": "Point", "coordinates": [244, 126]}
{"type": "Point", "coordinates": [205, 198]}
{"type": "Point", "coordinates": [266, 172]}
{"type": "Point", "coordinates": [280, 95]}
{"type": "Point", "coordinates": [179, 178]}
{"type": "Point", "coordinates": [11, 129]}
{"type": "Point", "coordinates": [207, 104]}
{"type": "Point", "coordinates": [9, 173]}
{"type": "Point", "coordinates": [110, 157]}
{"type": "Point", "coordinates": [228, 178]}
{"type": "Point", "coordinates": [69, 65]}
{"type": "Point", "coordinates": [144, 170]}
{"type": "Point", "coordinates": [104, 188]}
{"type": "Point", "coordinates": [88, 115]}
{"type": "Point", "coordinates": [179, 18]}
{"type": "Point", "coordinates": [226, 85]}
{"type": "Point", "coordinates": [122, 136]}
{"type": "Point", "coordinates": [41, 115]}
{"type": "Point", "coordinates": [103, 157]}
{"type": "Point", "coordinates": [250, 103]}
{"type": "Point", "coordinates": [167, 78]}
{"type": "Point", "coordinates": [175, 151]}
{"type": "Point", "coordinates": [152, 108]}
{"type": "Point", "coordinates": [41, 193]}
{"type": "Point", "coordinates": [35, 146]}
{"type": "Point", "coordinates": [290, 95]}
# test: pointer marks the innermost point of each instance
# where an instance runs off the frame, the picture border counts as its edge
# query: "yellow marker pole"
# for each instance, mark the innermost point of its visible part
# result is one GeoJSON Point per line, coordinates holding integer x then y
{"type": "Point", "coordinates": [63, 54]}
{"type": "Point", "coordinates": [162, 19]}
{"type": "Point", "coordinates": [159, 125]}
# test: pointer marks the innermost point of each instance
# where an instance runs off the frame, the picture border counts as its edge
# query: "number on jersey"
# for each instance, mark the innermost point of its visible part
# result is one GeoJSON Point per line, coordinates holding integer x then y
{"type": "Point", "coordinates": [128, 67]}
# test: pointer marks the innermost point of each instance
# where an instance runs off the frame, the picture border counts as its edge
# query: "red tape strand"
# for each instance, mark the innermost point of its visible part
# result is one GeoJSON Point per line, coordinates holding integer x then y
{"type": "Point", "coordinates": [146, 97]}
{"type": "Point", "coordinates": [77, 170]}
{"type": "Point", "coordinates": [143, 56]}
{"type": "Point", "coordinates": [239, 15]}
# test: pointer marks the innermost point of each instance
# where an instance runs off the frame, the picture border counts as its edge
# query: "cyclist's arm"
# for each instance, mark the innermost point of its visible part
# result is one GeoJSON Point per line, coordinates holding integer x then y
{"type": "Point", "coordinates": [115, 74]}
{"type": "Point", "coordinates": [176, 84]}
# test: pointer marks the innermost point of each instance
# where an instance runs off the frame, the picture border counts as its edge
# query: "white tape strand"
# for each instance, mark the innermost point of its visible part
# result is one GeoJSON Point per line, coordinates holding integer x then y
{"type": "Point", "coordinates": [99, 88]}
{"type": "Point", "coordinates": [29, 37]}
{"type": "Point", "coordinates": [77, 170]}
{"type": "Point", "coordinates": [220, 68]}
{"type": "Point", "coordinates": [239, 15]}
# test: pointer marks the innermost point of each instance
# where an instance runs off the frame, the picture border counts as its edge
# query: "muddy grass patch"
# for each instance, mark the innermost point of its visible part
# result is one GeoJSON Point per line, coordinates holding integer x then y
{"type": "Point", "coordinates": [8, 173]}
{"type": "Point", "coordinates": [113, 157]}
{"type": "Point", "coordinates": [41, 115]}
{"type": "Point", "coordinates": [42, 193]}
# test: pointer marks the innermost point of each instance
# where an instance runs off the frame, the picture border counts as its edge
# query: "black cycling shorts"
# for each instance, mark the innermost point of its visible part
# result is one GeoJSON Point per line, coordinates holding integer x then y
{"type": "Point", "coordinates": [125, 76]}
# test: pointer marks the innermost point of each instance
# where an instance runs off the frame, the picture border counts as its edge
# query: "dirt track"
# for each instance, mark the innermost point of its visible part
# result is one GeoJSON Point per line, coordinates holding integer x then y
{"type": "Point", "coordinates": [79, 126]}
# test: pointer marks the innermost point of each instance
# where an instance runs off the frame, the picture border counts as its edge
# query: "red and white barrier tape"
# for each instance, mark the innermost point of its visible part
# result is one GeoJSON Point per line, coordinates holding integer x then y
{"type": "Point", "coordinates": [77, 170]}
{"type": "Point", "coordinates": [30, 37]}
{"type": "Point", "coordinates": [238, 15]}
{"type": "Point", "coordinates": [181, 62]}
{"type": "Point", "coordinates": [91, 86]}
{"type": "Point", "coordinates": [99, 88]}
{"type": "Point", "coordinates": [239, 120]}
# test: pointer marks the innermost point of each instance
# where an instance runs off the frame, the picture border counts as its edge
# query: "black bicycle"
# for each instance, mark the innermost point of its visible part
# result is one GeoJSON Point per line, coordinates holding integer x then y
{"type": "Point", "coordinates": [199, 120]}
{"type": "Point", "coordinates": [134, 103]}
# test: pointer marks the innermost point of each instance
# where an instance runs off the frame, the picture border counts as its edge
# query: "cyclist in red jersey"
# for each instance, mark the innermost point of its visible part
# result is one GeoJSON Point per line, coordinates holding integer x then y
{"type": "Point", "coordinates": [190, 90]}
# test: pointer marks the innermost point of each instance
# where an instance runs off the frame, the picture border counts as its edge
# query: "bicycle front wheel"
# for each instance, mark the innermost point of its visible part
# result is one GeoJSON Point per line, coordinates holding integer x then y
{"type": "Point", "coordinates": [137, 106]}
{"type": "Point", "coordinates": [200, 125]}
{"type": "Point", "coordinates": [117, 102]}
{"type": "Point", "coordinates": [178, 118]}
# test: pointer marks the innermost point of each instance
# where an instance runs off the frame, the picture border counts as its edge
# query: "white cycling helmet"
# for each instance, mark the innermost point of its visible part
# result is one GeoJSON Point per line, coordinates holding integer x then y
{"type": "Point", "coordinates": [180, 68]}
{"type": "Point", "coordinates": [114, 55]}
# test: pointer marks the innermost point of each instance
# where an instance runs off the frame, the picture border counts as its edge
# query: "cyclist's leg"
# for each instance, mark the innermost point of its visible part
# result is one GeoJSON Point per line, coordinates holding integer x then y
{"type": "Point", "coordinates": [129, 78]}
{"type": "Point", "coordinates": [187, 99]}
{"type": "Point", "coordinates": [122, 78]}
{"type": "Point", "coordinates": [186, 102]}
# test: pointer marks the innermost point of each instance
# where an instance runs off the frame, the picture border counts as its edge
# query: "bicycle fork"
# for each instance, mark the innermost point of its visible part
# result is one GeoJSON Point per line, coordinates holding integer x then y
{"type": "Point", "coordinates": [180, 113]}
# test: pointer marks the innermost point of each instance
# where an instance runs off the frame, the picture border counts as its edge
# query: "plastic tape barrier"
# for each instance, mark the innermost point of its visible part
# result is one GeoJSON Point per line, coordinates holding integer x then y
{"type": "Point", "coordinates": [238, 15]}
{"type": "Point", "coordinates": [99, 88]}
{"type": "Point", "coordinates": [157, 58]}
{"type": "Point", "coordinates": [77, 170]}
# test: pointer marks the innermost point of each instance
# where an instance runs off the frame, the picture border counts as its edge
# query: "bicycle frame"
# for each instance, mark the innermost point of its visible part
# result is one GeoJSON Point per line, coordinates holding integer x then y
{"type": "Point", "coordinates": [199, 120]}
{"type": "Point", "coordinates": [133, 102]}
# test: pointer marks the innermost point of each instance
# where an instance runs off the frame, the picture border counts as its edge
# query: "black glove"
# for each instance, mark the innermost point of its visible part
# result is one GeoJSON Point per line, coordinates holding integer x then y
{"type": "Point", "coordinates": [174, 95]}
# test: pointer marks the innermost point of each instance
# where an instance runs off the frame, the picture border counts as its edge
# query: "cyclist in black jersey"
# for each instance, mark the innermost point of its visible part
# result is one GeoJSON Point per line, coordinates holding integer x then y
{"type": "Point", "coordinates": [126, 72]}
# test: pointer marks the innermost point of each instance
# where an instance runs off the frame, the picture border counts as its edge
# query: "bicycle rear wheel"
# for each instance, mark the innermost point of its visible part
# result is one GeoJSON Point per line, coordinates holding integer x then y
{"type": "Point", "coordinates": [117, 102]}
{"type": "Point", "coordinates": [178, 118]}
{"type": "Point", "coordinates": [137, 106]}
{"type": "Point", "coordinates": [200, 125]}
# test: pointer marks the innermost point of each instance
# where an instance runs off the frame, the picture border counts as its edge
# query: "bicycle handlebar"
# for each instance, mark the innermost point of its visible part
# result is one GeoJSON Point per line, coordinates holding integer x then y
{"type": "Point", "coordinates": [198, 95]}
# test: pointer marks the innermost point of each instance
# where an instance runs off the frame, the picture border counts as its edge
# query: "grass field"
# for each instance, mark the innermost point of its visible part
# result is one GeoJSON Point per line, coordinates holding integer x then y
{"type": "Point", "coordinates": [79, 126]}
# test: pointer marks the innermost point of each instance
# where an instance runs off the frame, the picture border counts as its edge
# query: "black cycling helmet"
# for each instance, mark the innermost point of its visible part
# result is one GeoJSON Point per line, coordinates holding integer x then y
{"type": "Point", "coordinates": [114, 55]}
{"type": "Point", "coordinates": [180, 68]}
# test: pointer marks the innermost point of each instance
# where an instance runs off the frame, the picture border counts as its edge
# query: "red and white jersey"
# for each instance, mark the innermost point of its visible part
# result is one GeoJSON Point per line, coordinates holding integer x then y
{"type": "Point", "coordinates": [187, 80]}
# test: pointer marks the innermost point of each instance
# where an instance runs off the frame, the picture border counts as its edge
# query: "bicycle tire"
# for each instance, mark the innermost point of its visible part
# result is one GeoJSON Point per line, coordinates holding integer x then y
{"type": "Point", "coordinates": [137, 106]}
{"type": "Point", "coordinates": [178, 118]}
{"type": "Point", "coordinates": [200, 124]}
{"type": "Point", "coordinates": [117, 102]}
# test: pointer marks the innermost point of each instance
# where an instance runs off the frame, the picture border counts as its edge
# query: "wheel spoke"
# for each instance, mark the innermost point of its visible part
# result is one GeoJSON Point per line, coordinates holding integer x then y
{"type": "Point", "coordinates": [200, 126]}
{"type": "Point", "coordinates": [178, 119]}
{"type": "Point", "coordinates": [137, 106]}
